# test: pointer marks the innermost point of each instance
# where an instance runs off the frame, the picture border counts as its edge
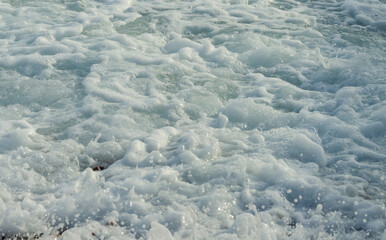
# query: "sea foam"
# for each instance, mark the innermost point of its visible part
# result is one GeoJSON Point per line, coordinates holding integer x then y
{"type": "Point", "coordinates": [234, 119]}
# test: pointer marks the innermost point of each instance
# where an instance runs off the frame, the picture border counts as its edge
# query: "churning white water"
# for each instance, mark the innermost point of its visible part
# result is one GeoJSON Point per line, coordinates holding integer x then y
{"type": "Point", "coordinates": [193, 119]}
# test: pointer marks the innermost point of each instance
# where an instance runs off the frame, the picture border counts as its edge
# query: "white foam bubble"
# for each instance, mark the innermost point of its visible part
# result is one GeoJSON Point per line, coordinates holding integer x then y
{"type": "Point", "coordinates": [230, 119]}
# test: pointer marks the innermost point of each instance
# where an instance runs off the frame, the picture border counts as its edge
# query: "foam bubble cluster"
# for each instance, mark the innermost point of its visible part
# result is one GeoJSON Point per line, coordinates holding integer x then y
{"type": "Point", "coordinates": [228, 119]}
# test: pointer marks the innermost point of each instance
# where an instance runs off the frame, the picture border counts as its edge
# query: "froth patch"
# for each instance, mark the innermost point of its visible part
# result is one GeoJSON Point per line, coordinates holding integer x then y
{"type": "Point", "coordinates": [305, 150]}
{"type": "Point", "coordinates": [29, 65]}
{"type": "Point", "coordinates": [205, 49]}
{"type": "Point", "coordinates": [176, 44]}
{"type": "Point", "coordinates": [105, 153]}
{"type": "Point", "coordinates": [14, 134]}
{"type": "Point", "coordinates": [68, 30]}
{"type": "Point", "coordinates": [159, 232]}
{"type": "Point", "coordinates": [270, 171]}
{"type": "Point", "coordinates": [267, 56]}
{"type": "Point", "coordinates": [250, 114]}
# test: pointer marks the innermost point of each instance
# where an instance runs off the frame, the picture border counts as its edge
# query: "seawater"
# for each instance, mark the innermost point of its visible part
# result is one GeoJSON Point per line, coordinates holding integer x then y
{"type": "Point", "coordinates": [223, 119]}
